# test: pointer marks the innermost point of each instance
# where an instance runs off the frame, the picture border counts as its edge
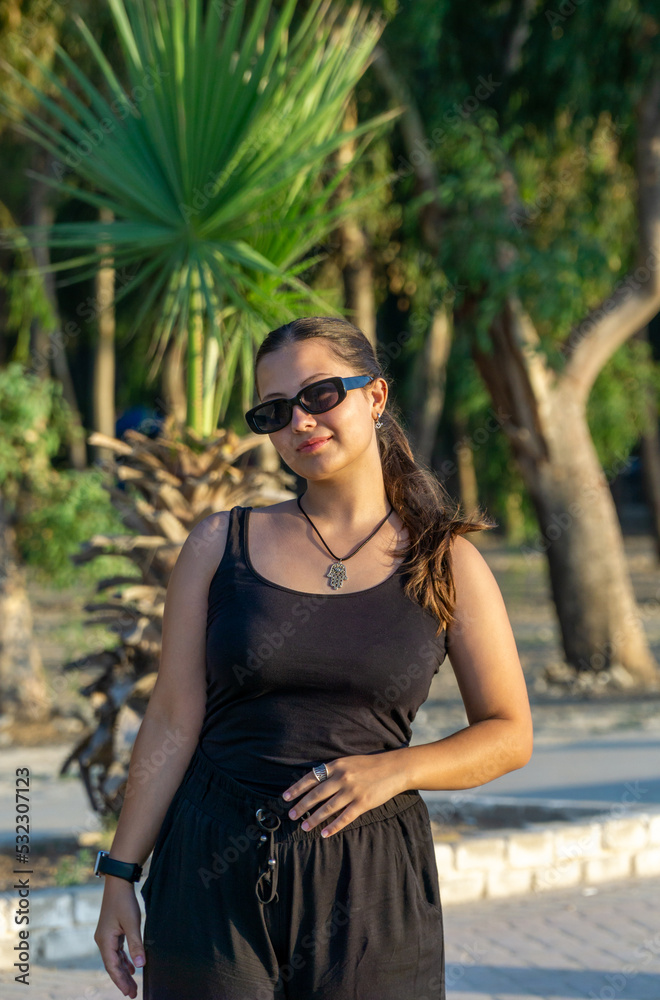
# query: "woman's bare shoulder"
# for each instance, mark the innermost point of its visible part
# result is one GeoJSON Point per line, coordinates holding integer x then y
{"type": "Point", "coordinates": [205, 546]}
{"type": "Point", "coordinates": [465, 554]}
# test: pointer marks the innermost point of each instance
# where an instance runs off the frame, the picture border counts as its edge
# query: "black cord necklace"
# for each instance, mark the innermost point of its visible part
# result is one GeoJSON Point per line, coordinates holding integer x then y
{"type": "Point", "coordinates": [337, 572]}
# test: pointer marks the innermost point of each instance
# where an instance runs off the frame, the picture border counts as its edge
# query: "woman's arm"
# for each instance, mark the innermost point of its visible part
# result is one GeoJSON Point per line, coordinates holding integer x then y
{"type": "Point", "coordinates": [483, 655]}
{"type": "Point", "coordinates": [169, 732]}
{"type": "Point", "coordinates": [164, 744]}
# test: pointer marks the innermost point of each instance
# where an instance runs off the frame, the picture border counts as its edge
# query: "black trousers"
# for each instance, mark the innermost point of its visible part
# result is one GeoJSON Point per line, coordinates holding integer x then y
{"type": "Point", "coordinates": [243, 904]}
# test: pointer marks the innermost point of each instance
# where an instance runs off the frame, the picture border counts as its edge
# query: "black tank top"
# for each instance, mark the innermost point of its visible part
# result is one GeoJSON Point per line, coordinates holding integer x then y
{"type": "Point", "coordinates": [296, 679]}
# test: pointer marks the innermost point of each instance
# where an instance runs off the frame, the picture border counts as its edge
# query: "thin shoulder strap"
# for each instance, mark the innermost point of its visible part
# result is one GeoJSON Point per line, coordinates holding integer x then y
{"type": "Point", "coordinates": [234, 545]}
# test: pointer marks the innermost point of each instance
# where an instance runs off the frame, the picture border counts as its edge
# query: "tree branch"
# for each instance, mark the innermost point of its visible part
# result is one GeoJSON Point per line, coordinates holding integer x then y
{"type": "Point", "coordinates": [416, 144]}
{"type": "Point", "coordinates": [636, 299]}
{"type": "Point", "coordinates": [522, 13]}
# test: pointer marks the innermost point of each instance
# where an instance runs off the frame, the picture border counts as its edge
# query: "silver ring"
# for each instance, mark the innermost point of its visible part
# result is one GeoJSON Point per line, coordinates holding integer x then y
{"type": "Point", "coordinates": [321, 772]}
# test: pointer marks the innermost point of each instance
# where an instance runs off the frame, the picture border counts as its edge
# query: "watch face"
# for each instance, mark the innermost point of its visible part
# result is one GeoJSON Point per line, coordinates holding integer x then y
{"type": "Point", "coordinates": [101, 854]}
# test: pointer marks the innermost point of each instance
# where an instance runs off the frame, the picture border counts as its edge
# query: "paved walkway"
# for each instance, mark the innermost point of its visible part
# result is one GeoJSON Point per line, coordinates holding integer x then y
{"type": "Point", "coordinates": [582, 944]}
{"type": "Point", "coordinates": [621, 767]}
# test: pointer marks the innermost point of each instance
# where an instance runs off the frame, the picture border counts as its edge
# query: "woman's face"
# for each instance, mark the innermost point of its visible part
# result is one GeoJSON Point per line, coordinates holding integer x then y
{"type": "Point", "coordinates": [346, 432]}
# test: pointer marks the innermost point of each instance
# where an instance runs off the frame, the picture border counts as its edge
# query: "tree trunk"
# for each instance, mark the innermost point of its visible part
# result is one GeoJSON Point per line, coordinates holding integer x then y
{"type": "Point", "coordinates": [50, 345]}
{"type": "Point", "coordinates": [268, 457]}
{"type": "Point", "coordinates": [104, 358]}
{"type": "Point", "coordinates": [355, 258]}
{"type": "Point", "coordinates": [432, 381]}
{"type": "Point", "coordinates": [650, 460]}
{"type": "Point", "coordinates": [40, 214]}
{"type": "Point", "coordinates": [173, 383]}
{"type": "Point", "coordinates": [515, 519]}
{"type": "Point", "coordinates": [24, 695]}
{"type": "Point", "coordinates": [467, 477]}
{"type": "Point", "coordinates": [544, 412]}
{"type": "Point", "coordinates": [580, 531]}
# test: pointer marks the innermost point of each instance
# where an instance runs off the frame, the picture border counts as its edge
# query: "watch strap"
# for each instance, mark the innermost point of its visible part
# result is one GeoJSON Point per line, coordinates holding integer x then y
{"type": "Point", "coordinates": [105, 865]}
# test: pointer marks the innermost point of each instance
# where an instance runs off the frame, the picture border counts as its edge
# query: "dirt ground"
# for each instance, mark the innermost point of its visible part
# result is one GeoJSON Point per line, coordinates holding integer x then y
{"type": "Point", "coordinates": [58, 863]}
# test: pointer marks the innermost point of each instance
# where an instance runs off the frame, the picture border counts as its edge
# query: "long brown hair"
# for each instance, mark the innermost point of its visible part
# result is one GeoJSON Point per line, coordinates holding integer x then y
{"type": "Point", "coordinates": [418, 497]}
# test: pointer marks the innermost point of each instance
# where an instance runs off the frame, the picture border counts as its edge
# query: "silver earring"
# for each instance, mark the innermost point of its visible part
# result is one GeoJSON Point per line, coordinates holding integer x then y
{"type": "Point", "coordinates": [379, 422]}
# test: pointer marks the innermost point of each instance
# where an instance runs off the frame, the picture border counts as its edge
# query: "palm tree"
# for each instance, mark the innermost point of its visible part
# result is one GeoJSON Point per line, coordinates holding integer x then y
{"type": "Point", "coordinates": [166, 486]}
{"type": "Point", "coordinates": [215, 164]}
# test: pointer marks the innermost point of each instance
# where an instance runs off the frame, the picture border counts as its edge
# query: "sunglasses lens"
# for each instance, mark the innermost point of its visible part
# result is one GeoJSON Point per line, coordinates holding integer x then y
{"type": "Point", "coordinates": [322, 397]}
{"type": "Point", "coordinates": [271, 417]}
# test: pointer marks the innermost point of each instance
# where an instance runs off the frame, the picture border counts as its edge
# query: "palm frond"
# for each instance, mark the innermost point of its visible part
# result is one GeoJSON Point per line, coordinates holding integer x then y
{"type": "Point", "coordinates": [213, 157]}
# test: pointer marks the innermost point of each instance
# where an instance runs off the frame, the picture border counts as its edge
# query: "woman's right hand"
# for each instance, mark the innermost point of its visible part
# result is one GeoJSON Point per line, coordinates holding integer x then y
{"type": "Point", "coordinates": [119, 920]}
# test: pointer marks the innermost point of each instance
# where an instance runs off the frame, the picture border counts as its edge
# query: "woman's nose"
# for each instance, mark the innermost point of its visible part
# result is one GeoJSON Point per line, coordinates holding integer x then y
{"type": "Point", "coordinates": [301, 418]}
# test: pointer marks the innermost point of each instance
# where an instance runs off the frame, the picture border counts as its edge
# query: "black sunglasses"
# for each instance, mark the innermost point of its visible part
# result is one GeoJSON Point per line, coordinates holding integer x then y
{"type": "Point", "coordinates": [318, 397]}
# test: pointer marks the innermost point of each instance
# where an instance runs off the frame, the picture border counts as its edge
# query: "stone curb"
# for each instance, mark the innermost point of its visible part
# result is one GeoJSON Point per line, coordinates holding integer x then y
{"type": "Point", "coordinates": [483, 865]}
{"type": "Point", "coordinates": [62, 922]}
{"type": "Point", "coordinates": [549, 855]}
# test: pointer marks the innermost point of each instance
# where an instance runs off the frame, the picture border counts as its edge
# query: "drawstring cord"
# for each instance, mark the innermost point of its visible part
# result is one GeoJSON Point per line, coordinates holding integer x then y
{"type": "Point", "coordinates": [269, 876]}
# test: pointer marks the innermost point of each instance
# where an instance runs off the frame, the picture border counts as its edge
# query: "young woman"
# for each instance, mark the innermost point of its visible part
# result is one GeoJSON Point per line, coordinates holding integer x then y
{"type": "Point", "coordinates": [293, 854]}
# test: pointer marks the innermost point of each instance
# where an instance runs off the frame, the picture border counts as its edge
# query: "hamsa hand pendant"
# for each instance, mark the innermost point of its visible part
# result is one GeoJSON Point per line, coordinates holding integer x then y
{"type": "Point", "coordinates": [337, 575]}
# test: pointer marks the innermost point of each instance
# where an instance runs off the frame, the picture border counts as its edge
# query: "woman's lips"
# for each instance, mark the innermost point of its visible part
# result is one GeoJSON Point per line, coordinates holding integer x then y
{"type": "Point", "coordinates": [313, 445]}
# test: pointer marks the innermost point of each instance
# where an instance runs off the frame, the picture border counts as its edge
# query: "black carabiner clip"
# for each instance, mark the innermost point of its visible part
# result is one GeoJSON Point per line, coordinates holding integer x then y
{"type": "Point", "coordinates": [269, 876]}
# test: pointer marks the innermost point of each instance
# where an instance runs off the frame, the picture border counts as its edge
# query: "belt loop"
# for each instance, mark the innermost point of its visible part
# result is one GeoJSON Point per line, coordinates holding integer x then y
{"type": "Point", "coordinates": [270, 874]}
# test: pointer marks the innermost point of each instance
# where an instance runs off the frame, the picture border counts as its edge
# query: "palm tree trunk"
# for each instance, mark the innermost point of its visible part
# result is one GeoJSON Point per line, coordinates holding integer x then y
{"type": "Point", "coordinates": [104, 359]}
{"type": "Point", "coordinates": [173, 383]}
{"type": "Point", "coordinates": [195, 415]}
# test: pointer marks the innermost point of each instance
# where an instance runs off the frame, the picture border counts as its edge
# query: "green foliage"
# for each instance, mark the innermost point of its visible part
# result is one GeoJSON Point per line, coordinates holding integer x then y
{"type": "Point", "coordinates": [57, 517]}
{"type": "Point", "coordinates": [26, 295]}
{"type": "Point", "coordinates": [543, 166]}
{"type": "Point", "coordinates": [618, 406]}
{"type": "Point", "coordinates": [34, 421]}
{"type": "Point", "coordinates": [75, 871]}
{"type": "Point", "coordinates": [539, 163]}
{"type": "Point", "coordinates": [52, 511]}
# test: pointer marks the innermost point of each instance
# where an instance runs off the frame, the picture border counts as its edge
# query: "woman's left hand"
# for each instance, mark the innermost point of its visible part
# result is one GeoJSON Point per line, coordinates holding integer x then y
{"type": "Point", "coordinates": [356, 784]}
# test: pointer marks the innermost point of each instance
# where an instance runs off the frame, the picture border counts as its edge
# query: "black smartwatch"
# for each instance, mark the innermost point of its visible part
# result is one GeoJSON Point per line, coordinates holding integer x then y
{"type": "Point", "coordinates": [105, 865]}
